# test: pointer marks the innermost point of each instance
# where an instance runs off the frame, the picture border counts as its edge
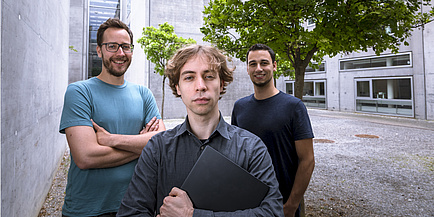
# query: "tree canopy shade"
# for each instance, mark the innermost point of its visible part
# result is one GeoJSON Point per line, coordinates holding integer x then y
{"type": "Point", "coordinates": [338, 26]}
{"type": "Point", "coordinates": [159, 45]}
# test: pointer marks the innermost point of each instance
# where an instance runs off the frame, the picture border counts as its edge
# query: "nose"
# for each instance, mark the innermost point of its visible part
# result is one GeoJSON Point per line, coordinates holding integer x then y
{"type": "Point", "coordinates": [258, 68]}
{"type": "Point", "coordinates": [120, 51]}
{"type": "Point", "coordinates": [200, 84]}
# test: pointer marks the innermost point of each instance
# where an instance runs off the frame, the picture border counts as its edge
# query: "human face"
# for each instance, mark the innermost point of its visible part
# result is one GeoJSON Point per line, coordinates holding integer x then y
{"type": "Point", "coordinates": [260, 68]}
{"type": "Point", "coordinates": [115, 64]}
{"type": "Point", "coordinates": [199, 87]}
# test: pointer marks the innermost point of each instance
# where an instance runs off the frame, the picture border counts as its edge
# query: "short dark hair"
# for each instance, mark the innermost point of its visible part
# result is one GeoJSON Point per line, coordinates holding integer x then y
{"type": "Point", "coordinates": [112, 23]}
{"type": "Point", "coordinates": [261, 47]}
{"type": "Point", "coordinates": [217, 61]}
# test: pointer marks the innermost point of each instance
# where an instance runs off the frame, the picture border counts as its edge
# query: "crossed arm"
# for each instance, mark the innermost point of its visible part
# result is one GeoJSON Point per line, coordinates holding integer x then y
{"type": "Point", "coordinates": [97, 148]}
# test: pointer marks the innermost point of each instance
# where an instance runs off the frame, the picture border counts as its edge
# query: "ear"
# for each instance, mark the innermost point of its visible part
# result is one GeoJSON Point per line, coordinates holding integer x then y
{"type": "Point", "coordinates": [177, 89]}
{"type": "Point", "coordinates": [275, 66]}
{"type": "Point", "coordinates": [221, 85]}
{"type": "Point", "coordinates": [98, 50]}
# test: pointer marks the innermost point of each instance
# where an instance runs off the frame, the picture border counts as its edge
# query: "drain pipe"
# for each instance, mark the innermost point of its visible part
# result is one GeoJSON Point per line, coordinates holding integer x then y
{"type": "Point", "coordinates": [424, 69]}
{"type": "Point", "coordinates": [149, 62]}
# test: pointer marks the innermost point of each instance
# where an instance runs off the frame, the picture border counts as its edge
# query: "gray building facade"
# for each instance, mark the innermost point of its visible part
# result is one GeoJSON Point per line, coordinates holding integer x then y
{"type": "Point", "coordinates": [400, 84]}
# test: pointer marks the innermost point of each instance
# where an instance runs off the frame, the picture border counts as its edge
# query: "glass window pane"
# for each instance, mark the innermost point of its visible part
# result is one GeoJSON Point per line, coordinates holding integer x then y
{"type": "Point", "coordinates": [363, 88]}
{"type": "Point", "coordinates": [104, 3]}
{"type": "Point", "coordinates": [319, 89]}
{"type": "Point", "coordinates": [99, 12]}
{"type": "Point", "coordinates": [308, 89]}
{"type": "Point", "coordinates": [289, 88]}
{"type": "Point", "coordinates": [379, 88]}
{"type": "Point", "coordinates": [401, 60]}
{"type": "Point", "coordinates": [379, 62]}
{"type": "Point", "coordinates": [375, 62]}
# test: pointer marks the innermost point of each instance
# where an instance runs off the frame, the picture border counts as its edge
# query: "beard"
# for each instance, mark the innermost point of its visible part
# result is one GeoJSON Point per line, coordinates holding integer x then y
{"type": "Point", "coordinates": [262, 84]}
{"type": "Point", "coordinates": [110, 68]}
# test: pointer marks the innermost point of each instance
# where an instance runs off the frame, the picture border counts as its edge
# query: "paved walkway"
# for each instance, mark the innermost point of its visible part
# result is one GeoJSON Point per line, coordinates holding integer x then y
{"type": "Point", "coordinates": [389, 174]}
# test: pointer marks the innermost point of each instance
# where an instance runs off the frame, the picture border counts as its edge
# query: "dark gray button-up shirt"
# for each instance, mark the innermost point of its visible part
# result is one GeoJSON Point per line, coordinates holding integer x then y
{"type": "Point", "coordinates": [169, 156]}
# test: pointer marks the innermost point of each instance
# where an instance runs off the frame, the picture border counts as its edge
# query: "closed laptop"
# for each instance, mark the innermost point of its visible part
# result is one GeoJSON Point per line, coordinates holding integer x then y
{"type": "Point", "coordinates": [218, 184]}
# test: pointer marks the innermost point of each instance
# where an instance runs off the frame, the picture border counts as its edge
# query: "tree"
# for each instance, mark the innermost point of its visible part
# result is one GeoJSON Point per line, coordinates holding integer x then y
{"type": "Point", "coordinates": [340, 26]}
{"type": "Point", "coordinates": [159, 45]}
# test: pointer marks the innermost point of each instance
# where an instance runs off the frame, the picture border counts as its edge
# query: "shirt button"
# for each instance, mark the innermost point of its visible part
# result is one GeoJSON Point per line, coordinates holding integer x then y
{"type": "Point", "coordinates": [202, 147]}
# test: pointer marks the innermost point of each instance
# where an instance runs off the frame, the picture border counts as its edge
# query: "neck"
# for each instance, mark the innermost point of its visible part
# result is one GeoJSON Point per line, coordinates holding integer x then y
{"type": "Point", "coordinates": [203, 126]}
{"type": "Point", "coordinates": [110, 79]}
{"type": "Point", "coordinates": [265, 92]}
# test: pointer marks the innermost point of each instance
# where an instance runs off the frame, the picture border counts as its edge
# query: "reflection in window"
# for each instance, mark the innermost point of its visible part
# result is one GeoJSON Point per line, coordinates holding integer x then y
{"type": "Point", "coordinates": [99, 12]}
{"type": "Point", "coordinates": [376, 62]}
{"type": "Point", "coordinates": [363, 89]}
{"type": "Point", "coordinates": [321, 68]}
{"type": "Point", "coordinates": [313, 93]}
{"type": "Point", "coordinates": [308, 89]}
{"type": "Point", "coordinates": [389, 96]}
{"type": "Point", "coordinates": [290, 88]}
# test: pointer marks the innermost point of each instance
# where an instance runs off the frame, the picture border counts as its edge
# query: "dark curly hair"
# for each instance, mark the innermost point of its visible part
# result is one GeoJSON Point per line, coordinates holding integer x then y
{"type": "Point", "coordinates": [217, 61]}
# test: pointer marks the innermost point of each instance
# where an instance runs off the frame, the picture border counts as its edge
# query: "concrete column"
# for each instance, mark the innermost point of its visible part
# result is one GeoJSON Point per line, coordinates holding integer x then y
{"type": "Point", "coordinates": [390, 89]}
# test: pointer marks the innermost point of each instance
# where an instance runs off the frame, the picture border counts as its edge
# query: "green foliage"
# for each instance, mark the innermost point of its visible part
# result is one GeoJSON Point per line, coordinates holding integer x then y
{"type": "Point", "coordinates": [72, 48]}
{"type": "Point", "coordinates": [160, 44]}
{"type": "Point", "coordinates": [340, 26]}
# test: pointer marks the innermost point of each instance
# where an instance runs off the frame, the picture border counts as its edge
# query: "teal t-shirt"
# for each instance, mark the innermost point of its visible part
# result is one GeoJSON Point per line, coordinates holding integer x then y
{"type": "Point", "coordinates": [123, 109]}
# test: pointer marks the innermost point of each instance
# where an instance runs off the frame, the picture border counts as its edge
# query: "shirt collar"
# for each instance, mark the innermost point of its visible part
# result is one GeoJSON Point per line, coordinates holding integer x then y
{"type": "Point", "coordinates": [222, 128]}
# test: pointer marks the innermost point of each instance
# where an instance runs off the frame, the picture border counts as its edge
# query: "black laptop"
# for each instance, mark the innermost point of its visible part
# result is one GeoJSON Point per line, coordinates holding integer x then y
{"type": "Point", "coordinates": [218, 184]}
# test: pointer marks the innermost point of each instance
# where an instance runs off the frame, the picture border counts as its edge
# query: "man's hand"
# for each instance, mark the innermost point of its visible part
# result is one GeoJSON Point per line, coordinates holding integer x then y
{"type": "Point", "coordinates": [289, 210]}
{"type": "Point", "coordinates": [151, 126]}
{"type": "Point", "coordinates": [177, 204]}
{"type": "Point", "coordinates": [102, 135]}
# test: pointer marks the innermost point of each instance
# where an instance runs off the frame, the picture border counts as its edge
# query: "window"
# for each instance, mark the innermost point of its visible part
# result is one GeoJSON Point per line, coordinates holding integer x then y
{"type": "Point", "coordinates": [398, 60]}
{"type": "Point", "coordinates": [99, 12]}
{"type": "Point", "coordinates": [321, 68]}
{"type": "Point", "coordinates": [313, 93]}
{"type": "Point", "coordinates": [385, 95]}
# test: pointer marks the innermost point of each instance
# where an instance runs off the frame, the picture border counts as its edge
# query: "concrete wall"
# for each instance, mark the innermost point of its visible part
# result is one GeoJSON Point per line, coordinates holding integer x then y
{"type": "Point", "coordinates": [78, 30]}
{"type": "Point", "coordinates": [187, 25]}
{"type": "Point", "coordinates": [34, 69]}
{"type": "Point", "coordinates": [428, 56]}
{"type": "Point", "coordinates": [137, 72]}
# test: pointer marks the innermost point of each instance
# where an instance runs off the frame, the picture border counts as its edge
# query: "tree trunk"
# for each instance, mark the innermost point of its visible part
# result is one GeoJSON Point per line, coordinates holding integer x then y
{"type": "Point", "coordinates": [162, 101]}
{"type": "Point", "coordinates": [299, 82]}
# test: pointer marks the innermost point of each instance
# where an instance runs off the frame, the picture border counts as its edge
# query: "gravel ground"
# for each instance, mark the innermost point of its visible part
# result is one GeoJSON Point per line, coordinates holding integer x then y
{"type": "Point", "coordinates": [366, 165]}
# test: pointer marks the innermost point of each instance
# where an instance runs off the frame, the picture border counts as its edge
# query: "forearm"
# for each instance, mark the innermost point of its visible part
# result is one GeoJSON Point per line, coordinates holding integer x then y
{"type": "Point", "coordinates": [301, 182]}
{"type": "Point", "coordinates": [104, 157]}
{"type": "Point", "coordinates": [130, 143]}
{"type": "Point", "coordinates": [88, 154]}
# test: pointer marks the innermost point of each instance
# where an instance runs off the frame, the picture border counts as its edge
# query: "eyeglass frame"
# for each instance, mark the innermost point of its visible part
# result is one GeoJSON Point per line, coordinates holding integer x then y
{"type": "Point", "coordinates": [119, 45]}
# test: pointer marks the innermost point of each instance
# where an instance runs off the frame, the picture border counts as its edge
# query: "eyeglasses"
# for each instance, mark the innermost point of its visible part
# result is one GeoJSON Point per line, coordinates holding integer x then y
{"type": "Point", "coordinates": [113, 47]}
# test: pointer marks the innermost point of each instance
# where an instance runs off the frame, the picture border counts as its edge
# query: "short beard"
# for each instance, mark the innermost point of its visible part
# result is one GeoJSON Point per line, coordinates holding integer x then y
{"type": "Point", "coordinates": [263, 84]}
{"type": "Point", "coordinates": [110, 70]}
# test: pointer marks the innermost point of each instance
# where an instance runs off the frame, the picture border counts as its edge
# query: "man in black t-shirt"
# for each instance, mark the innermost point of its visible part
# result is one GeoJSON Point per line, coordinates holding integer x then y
{"type": "Point", "coordinates": [282, 122]}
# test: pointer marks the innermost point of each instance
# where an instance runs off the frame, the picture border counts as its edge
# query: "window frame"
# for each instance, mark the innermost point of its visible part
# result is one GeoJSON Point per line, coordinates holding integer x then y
{"type": "Point", "coordinates": [369, 58]}
{"type": "Point", "coordinates": [383, 101]}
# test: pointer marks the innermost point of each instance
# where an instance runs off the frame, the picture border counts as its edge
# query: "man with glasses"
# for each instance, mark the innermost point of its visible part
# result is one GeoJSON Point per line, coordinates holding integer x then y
{"type": "Point", "coordinates": [107, 122]}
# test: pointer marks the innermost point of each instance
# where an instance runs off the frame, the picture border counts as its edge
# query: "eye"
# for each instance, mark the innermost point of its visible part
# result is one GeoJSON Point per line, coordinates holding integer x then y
{"type": "Point", "coordinates": [112, 46]}
{"type": "Point", "coordinates": [126, 47]}
{"type": "Point", "coordinates": [188, 78]}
